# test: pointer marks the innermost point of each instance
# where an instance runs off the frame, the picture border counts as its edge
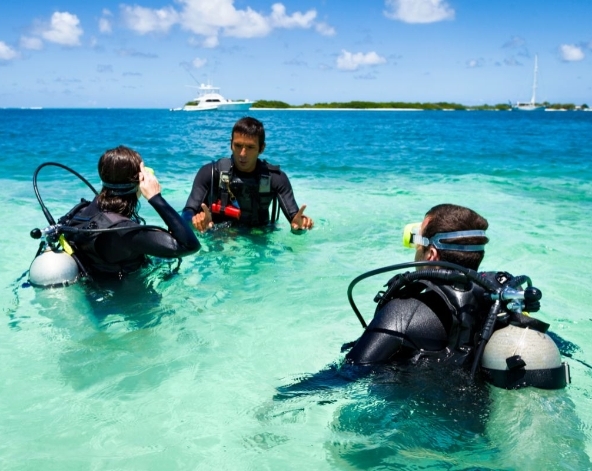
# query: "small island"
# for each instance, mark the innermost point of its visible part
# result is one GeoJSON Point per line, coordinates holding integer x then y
{"type": "Point", "coordinates": [392, 105]}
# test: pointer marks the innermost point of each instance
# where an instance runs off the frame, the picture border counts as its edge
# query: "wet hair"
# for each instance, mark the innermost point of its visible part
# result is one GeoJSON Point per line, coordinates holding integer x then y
{"type": "Point", "coordinates": [250, 127]}
{"type": "Point", "coordinates": [452, 218]}
{"type": "Point", "coordinates": [120, 167]}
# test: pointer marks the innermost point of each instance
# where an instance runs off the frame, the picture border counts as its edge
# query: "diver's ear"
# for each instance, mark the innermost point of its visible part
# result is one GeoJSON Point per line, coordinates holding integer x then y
{"type": "Point", "coordinates": [432, 255]}
{"type": "Point", "coordinates": [262, 148]}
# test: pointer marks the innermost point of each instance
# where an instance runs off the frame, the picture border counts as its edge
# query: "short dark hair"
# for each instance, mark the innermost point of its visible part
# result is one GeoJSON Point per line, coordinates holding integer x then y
{"type": "Point", "coordinates": [250, 127]}
{"type": "Point", "coordinates": [119, 166]}
{"type": "Point", "coordinates": [452, 218]}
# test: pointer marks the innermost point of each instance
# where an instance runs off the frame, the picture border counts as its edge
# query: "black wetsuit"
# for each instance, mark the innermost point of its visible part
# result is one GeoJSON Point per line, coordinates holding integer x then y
{"type": "Point", "coordinates": [426, 319]}
{"type": "Point", "coordinates": [252, 199]}
{"type": "Point", "coordinates": [123, 251]}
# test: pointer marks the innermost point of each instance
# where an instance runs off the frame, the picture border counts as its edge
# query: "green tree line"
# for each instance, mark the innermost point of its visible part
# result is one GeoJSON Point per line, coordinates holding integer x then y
{"type": "Point", "coordinates": [363, 105]}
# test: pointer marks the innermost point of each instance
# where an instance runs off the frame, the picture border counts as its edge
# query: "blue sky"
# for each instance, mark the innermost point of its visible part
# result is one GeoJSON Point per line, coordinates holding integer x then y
{"type": "Point", "coordinates": [148, 54]}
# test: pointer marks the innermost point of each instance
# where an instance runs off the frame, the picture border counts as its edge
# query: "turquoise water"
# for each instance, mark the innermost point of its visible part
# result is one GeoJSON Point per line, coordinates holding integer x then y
{"type": "Point", "coordinates": [207, 369]}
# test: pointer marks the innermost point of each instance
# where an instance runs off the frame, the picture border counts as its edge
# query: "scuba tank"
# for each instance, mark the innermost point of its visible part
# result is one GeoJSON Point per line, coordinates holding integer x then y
{"type": "Point", "coordinates": [55, 263]}
{"type": "Point", "coordinates": [511, 349]}
{"type": "Point", "coordinates": [53, 268]}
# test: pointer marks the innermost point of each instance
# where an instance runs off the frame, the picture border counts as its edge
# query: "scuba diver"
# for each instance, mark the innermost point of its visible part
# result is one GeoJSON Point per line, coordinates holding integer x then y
{"type": "Point", "coordinates": [105, 237]}
{"type": "Point", "coordinates": [243, 187]}
{"type": "Point", "coordinates": [447, 313]}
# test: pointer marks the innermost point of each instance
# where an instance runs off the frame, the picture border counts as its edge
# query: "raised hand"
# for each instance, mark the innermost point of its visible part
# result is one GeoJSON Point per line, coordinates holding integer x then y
{"type": "Point", "coordinates": [149, 185]}
{"type": "Point", "coordinates": [203, 221]}
{"type": "Point", "coordinates": [300, 221]}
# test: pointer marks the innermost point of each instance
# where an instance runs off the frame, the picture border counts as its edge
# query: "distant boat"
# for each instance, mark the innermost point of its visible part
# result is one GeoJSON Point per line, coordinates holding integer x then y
{"type": "Point", "coordinates": [209, 99]}
{"type": "Point", "coordinates": [532, 105]}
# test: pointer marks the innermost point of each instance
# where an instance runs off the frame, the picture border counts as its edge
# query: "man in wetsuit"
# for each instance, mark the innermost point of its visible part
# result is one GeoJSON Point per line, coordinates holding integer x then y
{"type": "Point", "coordinates": [243, 187]}
{"type": "Point", "coordinates": [431, 318]}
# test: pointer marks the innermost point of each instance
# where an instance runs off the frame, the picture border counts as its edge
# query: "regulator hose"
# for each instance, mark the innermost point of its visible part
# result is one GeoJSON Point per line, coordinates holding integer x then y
{"type": "Point", "coordinates": [46, 212]}
{"type": "Point", "coordinates": [456, 273]}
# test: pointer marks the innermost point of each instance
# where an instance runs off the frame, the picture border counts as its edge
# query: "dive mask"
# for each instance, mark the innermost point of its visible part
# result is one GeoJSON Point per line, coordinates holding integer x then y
{"type": "Point", "coordinates": [412, 238]}
{"type": "Point", "coordinates": [121, 189]}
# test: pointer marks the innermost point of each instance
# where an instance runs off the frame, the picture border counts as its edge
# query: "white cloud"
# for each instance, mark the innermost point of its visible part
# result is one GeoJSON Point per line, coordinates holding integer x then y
{"type": "Point", "coordinates": [198, 63]}
{"type": "Point", "coordinates": [30, 42]}
{"type": "Point", "coordinates": [474, 63]}
{"type": "Point", "coordinates": [215, 18]}
{"type": "Point", "coordinates": [63, 29]}
{"type": "Point", "coordinates": [279, 19]}
{"type": "Point", "coordinates": [571, 53]}
{"type": "Point", "coordinates": [145, 20]}
{"type": "Point", "coordinates": [349, 61]}
{"type": "Point", "coordinates": [211, 42]}
{"type": "Point", "coordinates": [105, 26]}
{"type": "Point", "coordinates": [248, 24]}
{"type": "Point", "coordinates": [419, 11]}
{"type": "Point", "coordinates": [325, 29]}
{"type": "Point", "coordinates": [6, 52]}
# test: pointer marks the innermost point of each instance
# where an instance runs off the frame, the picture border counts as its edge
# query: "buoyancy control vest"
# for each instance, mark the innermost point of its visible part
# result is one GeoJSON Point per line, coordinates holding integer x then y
{"type": "Point", "coordinates": [86, 215]}
{"type": "Point", "coordinates": [252, 194]}
{"type": "Point", "coordinates": [458, 315]}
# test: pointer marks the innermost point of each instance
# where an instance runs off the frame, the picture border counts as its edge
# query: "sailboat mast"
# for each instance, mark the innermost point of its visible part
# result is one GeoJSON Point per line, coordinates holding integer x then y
{"type": "Point", "coordinates": [534, 83]}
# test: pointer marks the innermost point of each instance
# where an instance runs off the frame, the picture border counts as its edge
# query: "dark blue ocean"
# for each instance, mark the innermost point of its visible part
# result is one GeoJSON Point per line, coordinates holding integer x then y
{"type": "Point", "coordinates": [216, 366]}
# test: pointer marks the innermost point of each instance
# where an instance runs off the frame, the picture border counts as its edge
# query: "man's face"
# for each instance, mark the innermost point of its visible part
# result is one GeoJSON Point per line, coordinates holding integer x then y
{"type": "Point", "coordinates": [245, 151]}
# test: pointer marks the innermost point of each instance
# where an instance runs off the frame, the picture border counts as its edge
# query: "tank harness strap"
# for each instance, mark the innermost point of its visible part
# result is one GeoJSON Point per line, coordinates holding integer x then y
{"type": "Point", "coordinates": [514, 378]}
{"type": "Point", "coordinates": [224, 168]}
{"type": "Point", "coordinates": [265, 187]}
{"type": "Point", "coordinates": [65, 219]}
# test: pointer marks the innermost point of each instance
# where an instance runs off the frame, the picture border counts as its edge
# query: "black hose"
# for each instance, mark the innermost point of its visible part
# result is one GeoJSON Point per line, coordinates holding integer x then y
{"type": "Point", "coordinates": [486, 334]}
{"type": "Point", "coordinates": [435, 273]}
{"type": "Point", "coordinates": [46, 212]}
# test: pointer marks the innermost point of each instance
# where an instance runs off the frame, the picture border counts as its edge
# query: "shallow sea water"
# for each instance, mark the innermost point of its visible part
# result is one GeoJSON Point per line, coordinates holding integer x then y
{"type": "Point", "coordinates": [231, 363]}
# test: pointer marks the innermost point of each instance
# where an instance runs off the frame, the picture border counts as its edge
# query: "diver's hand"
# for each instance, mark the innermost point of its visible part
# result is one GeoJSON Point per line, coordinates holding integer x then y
{"type": "Point", "coordinates": [300, 221]}
{"type": "Point", "coordinates": [149, 185]}
{"type": "Point", "coordinates": [203, 221]}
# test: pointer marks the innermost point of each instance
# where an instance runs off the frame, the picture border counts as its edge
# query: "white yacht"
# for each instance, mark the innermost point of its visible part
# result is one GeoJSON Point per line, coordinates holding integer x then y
{"type": "Point", "coordinates": [531, 105]}
{"type": "Point", "coordinates": [209, 99]}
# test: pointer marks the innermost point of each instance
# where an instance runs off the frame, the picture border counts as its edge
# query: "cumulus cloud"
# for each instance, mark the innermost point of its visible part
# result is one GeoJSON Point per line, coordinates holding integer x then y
{"type": "Point", "coordinates": [6, 52]}
{"type": "Point", "coordinates": [144, 20]}
{"type": "Point", "coordinates": [134, 53]}
{"type": "Point", "coordinates": [474, 63]}
{"type": "Point", "coordinates": [324, 29]}
{"type": "Point", "coordinates": [279, 19]}
{"type": "Point", "coordinates": [63, 29]}
{"type": "Point", "coordinates": [419, 11]}
{"type": "Point", "coordinates": [214, 18]}
{"type": "Point", "coordinates": [571, 53]}
{"type": "Point", "coordinates": [211, 42]}
{"type": "Point", "coordinates": [105, 26]}
{"type": "Point", "coordinates": [198, 62]}
{"type": "Point", "coordinates": [31, 42]}
{"type": "Point", "coordinates": [353, 61]}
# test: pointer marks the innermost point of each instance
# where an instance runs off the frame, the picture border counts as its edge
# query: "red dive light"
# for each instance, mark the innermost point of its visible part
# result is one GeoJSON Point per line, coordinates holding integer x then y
{"type": "Point", "coordinates": [229, 211]}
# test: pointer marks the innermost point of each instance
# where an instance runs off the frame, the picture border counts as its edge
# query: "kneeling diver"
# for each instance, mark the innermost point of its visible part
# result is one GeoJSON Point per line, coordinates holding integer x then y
{"type": "Point", "coordinates": [449, 313]}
